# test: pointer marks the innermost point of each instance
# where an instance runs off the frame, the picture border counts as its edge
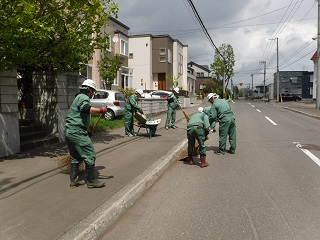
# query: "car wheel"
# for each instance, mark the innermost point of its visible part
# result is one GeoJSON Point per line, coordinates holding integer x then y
{"type": "Point", "coordinates": [109, 115]}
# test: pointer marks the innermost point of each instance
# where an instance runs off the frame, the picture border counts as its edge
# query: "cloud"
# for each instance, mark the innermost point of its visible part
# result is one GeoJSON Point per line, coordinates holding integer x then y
{"type": "Point", "coordinates": [247, 25]}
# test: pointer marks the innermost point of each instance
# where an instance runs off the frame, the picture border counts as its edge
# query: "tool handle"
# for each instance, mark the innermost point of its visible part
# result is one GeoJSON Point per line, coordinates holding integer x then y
{"type": "Point", "coordinates": [94, 126]}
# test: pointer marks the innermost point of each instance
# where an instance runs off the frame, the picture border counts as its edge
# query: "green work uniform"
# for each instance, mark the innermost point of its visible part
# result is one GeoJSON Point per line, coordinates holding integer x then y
{"type": "Point", "coordinates": [173, 104]}
{"type": "Point", "coordinates": [130, 108]}
{"type": "Point", "coordinates": [76, 131]}
{"type": "Point", "coordinates": [221, 110]}
{"type": "Point", "coordinates": [198, 129]}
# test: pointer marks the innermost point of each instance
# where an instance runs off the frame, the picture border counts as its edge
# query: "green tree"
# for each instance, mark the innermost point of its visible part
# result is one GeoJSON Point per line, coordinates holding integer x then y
{"type": "Point", "coordinates": [212, 85]}
{"type": "Point", "coordinates": [174, 80]}
{"type": "Point", "coordinates": [108, 68]}
{"type": "Point", "coordinates": [223, 63]}
{"type": "Point", "coordinates": [52, 35]}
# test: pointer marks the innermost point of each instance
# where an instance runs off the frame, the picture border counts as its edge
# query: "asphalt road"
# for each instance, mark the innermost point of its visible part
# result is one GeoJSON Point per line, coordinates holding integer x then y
{"type": "Point", "coordinates": [269, 189]}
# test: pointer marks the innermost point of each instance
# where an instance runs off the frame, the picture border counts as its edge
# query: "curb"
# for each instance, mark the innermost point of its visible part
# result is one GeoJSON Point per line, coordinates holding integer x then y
{"type": "Point", "coordinates": [304, 113]}
{"type": "Point", "coordinates": [103, 217]}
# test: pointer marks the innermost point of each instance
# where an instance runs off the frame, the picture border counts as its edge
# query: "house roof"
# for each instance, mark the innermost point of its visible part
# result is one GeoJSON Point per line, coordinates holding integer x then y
{"type": "Point", "coordinates": [203, 67]}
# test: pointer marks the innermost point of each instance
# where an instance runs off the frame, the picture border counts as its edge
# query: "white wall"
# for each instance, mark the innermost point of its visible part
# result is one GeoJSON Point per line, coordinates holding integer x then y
{"type": "Point", "coordinates": [9, 120]}
{"type": "Point", "coordinates": [141, 63]}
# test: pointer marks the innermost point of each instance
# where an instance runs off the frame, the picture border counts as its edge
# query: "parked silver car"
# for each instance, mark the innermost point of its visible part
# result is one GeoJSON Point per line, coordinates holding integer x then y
{"type": "Point", "coordinates": [114, 100]}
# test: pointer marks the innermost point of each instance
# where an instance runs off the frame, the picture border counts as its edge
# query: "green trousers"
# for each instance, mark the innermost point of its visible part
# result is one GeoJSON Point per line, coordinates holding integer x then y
{"type": "Point", "coordinates": [171, 117]}
{"type": "Point", "coordinates": [80, 146]}
{"type": "Point", "coordinates": [128, 118]}
{"type": "Point", "coordinates": [194, 134]}
{"type": "Point", "coordinates": [227, 127]}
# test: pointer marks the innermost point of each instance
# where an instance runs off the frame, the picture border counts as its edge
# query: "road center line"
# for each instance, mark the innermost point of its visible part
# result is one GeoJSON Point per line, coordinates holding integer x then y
{"type": "Point", "coordinates": [258, 110]}
{"type": "Point", "coordinates": [270, 120]}
{"type": "Point", "coordinates": [308, 153]}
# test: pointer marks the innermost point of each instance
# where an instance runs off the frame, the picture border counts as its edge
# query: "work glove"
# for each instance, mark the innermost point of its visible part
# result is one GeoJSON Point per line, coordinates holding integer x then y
{"type": "Point", "coordinates": [90, 133]}
{"type": "Point", "coordinates": [103, 110]}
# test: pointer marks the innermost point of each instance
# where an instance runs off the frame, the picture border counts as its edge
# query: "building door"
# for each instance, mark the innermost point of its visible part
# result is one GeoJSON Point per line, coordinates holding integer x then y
{"type": "Point", "coordinates": [162, 81]}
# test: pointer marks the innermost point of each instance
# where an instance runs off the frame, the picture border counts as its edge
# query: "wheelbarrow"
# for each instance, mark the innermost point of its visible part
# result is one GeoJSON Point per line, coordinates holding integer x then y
{"type": "Point", "coordinates": [149, 125]}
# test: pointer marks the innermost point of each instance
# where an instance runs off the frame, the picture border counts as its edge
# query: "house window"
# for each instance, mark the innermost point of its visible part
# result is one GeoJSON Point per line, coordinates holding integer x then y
{"type": "Point", "coordinates": [124, 47]}
{"type": "Point", "coordinates": [162, 51]}
{"type": "Point", "coordinates": [311, 78]}
{"type": "Point", "coordinates": [198, 74]}
{"type": "Point", "coordinates": [296, 79]}
{"type": "Point", "coordinates": [126, 76]}
{"type": "Point", "coordinates": [180, 70]}
{"type": "Point", "coordinates": [131, 55]}
{"type": "Point", "coordinates": [202, 86]}
{"type": "Point", "coordinates": [162, 59]}
{"type": "Point", "coordinates": [311, 91]}
{"type": "Point", "coordinates": [169, 56]}
{"type": "Point", "coordinates": [202, 74]}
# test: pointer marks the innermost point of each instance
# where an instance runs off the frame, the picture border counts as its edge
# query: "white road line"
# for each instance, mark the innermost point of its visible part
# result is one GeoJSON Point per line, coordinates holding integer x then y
{"type": "Point", "coordinates": [252, 105]}
{"type": "Point", "coordinates": [308, 153]}
{"type": "Point", "coordinates": [258, 110]}
{"type": "Point", "coordinates": [270, 120]}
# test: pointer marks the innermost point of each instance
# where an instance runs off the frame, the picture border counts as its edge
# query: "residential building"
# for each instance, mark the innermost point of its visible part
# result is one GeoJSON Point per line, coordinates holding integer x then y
{"type": "Point", "coordinates": [119, 44]}
{"type": "Point", "coordinates": [158, 62]}
{"type": "Point", "coordinates": [295, 82]}
{"type": "Point", "coordinates": [202, 73]}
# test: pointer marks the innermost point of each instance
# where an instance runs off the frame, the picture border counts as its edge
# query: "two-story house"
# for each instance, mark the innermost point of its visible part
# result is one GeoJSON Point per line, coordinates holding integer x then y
{"type": "Point", "coordinates": [158, 62]}
{"type": "Point", "coordinates": [202, 73]}
{"type": "Point", "coordinates": [119, 44]}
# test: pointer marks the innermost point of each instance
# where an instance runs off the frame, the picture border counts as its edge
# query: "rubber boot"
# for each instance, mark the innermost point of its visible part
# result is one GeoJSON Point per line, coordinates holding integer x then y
{"type": "Point", "coordinates": [203, 162]}
{"type": "Point", "coordinates": [92, 182]}
{"type": "Point", "coordinates": [190, 160]}
{"type": "Point", "coordinates": [74, 176]}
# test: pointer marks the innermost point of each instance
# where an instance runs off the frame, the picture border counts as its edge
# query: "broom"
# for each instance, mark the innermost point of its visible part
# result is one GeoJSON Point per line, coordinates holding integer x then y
{"type": "Point", "coordinates": [65, 161]}
{"type": "Point", "coordinates": [184, 153]}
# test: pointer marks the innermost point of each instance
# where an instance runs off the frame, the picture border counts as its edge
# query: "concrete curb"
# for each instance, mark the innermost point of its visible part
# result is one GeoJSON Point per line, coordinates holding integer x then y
{"type": "Point", "coordinates": [304, 113]}
{"type": "Point", "coordinates": [105, 215]}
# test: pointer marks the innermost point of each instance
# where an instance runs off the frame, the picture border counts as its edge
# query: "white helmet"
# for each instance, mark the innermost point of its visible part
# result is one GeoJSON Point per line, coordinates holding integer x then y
{"type": "Point", "coordinates": [210, 95]}
{"type": "Point", "coordinates": [200, 109]}
{"type": "Point", "coordinates": [89, 83]}
{"type": "Point", "coordinates": [176, 89]}
{"type": "Point", "coordinates": [139, 91]}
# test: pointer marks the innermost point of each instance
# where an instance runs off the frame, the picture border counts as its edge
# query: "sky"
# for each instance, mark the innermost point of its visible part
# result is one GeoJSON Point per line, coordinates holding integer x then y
{"type": "Point", "coordinates": [251, 27]}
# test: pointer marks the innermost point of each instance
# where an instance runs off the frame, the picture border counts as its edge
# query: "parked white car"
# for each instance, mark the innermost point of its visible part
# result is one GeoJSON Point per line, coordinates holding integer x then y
{"type": "Point", "coordinates": [114, 100]}
{"type": "Point", "coordinates": [157, 94]}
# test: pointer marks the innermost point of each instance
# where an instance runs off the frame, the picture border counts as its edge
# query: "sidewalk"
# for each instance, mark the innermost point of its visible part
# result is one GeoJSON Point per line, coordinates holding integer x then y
{"type": "Point", "coordinates": [305, 108]}
{"type": "Point", "coordinates": [37, 203]}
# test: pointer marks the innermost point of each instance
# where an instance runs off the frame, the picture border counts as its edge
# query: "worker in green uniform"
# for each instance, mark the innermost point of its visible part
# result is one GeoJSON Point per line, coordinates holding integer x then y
{"type": "Point", "coordinates": [221, 111]}
{"type": "Point", "coordinates": [212, 121]}
{"type": "Point", "coordinates": [198, 129]}
{"type": "Point", "coordinates": [77, 136]}
{"type": "Point", "coordinates": [173, 104]}
{"type": "Point", "coordinates": [130, 109]}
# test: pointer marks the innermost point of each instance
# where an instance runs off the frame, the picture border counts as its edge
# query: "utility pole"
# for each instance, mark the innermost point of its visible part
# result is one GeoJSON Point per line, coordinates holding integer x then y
{"type": "Point", "coordinates": [318, 62]}
{"type": "Point", "coordinates": [264, 81]}
{"type": "Point", "coordinates": [252, 86]}
{"type": "Point", "coordinates": [278, 75]}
